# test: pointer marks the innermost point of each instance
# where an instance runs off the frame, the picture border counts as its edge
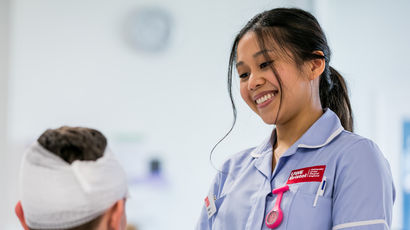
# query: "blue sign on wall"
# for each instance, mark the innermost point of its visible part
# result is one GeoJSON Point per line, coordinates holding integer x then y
{"type": "Point", "coordinates": [406, 175]}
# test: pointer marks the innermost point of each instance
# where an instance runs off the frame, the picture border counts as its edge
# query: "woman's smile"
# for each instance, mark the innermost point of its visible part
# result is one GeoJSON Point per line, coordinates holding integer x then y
{"type": "Point", "coordinates": [265, 98]}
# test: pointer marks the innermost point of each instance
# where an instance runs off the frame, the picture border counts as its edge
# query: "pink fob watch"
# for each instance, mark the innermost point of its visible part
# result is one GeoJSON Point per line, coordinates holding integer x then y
{"type": "Point", "coordinates": [275, 216]}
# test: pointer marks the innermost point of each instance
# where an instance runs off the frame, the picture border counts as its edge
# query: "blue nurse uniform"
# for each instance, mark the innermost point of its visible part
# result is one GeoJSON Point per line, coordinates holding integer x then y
{"type": "Point", "coordinates": [359, 192]}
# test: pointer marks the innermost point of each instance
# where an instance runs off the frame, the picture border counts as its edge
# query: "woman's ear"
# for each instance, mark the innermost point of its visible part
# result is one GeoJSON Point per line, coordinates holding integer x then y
{"type": "Point", "coordinates": [20, 214]}
{"type": "Point", "coordinates": [316, 66]}
{"type": "Point", "coordinates": [117, 216]}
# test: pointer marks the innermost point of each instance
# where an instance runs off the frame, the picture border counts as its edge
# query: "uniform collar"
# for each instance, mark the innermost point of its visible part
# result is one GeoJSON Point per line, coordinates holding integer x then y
{"type": "Point", "coordinates": [322, 132]}
{"type": "Point", "coordinates": [264, 147]}
{"type": "Point", "coordinates": [263, 155]}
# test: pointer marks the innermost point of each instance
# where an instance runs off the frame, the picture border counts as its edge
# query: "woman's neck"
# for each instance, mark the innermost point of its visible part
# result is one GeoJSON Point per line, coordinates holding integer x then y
{"type": "Point", "coordinates": [289, 132]}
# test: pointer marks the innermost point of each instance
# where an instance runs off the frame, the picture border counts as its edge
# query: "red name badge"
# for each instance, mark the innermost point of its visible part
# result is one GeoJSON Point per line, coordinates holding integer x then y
{"type": "Point", "coordinates": [207, 202]}
{"type": "Point", "coordinates": [310, 174]}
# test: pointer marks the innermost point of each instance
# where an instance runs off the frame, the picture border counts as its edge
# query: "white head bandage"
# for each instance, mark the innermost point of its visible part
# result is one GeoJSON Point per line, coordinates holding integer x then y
{"type": "Point", "coordinates": [57, 195]}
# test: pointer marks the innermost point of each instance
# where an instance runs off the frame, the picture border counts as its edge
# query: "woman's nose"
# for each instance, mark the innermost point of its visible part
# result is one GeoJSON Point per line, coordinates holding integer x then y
{"type": "Point", "coordinates": [255, 81]}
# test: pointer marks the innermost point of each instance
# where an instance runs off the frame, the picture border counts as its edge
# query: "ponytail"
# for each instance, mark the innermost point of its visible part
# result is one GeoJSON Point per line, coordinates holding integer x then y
{"type": "Point", "coordinates": [333, 95]}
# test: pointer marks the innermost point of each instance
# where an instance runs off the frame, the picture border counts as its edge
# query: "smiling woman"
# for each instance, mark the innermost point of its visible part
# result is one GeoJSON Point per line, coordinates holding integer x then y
{"type": "Point", "coordinates": [343, 180]}
{"type": "Point", "coordinates": [262, 74]}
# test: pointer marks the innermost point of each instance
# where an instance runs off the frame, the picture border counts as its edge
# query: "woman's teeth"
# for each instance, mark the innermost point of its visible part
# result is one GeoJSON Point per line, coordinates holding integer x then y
{"type": "Point", "coordinates": [264, 98]}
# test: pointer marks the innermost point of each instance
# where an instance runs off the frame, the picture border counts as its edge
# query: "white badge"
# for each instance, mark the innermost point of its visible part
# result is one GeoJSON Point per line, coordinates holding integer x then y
{"type": "Point", "coordinates": [210, 205]}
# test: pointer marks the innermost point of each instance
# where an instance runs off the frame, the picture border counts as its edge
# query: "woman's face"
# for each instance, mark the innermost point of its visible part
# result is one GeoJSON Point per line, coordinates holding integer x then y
{"type": "Point", "coordinates": [260, 88]}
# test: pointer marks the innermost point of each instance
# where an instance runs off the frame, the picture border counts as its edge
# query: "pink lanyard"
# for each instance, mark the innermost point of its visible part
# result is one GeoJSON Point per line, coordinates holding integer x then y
{"type": "Point", "coordinates": [275, 216]}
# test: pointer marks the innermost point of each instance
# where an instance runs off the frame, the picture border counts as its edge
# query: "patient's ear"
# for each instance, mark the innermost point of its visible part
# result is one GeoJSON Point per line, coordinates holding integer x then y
{"type": "Point", "coordinates": [118, 220]}
{"type": "Point", "coordinates": [20, 214]}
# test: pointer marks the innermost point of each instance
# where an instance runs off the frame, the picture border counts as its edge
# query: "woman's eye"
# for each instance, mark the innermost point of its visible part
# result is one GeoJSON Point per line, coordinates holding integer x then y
{"type": "Point", "coordinates": [244, 75]}
{"type": "Point", "coordinates": [265, 64]}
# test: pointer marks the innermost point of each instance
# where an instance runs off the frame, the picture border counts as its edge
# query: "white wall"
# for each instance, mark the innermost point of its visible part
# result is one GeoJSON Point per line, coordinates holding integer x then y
{"type": "Point", "coordinates": [4, 67]}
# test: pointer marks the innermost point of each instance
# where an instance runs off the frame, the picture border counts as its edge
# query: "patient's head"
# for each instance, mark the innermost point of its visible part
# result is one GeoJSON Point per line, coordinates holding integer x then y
{"type": "Point", "coordinates": [71, 180]}
{"type": "Point", "coordinates": [74, 143]}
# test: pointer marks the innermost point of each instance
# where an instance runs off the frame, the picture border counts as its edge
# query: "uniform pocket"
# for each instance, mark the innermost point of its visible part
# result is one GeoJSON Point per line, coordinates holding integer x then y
{"type": "Point", "coordinates": [303, 215]}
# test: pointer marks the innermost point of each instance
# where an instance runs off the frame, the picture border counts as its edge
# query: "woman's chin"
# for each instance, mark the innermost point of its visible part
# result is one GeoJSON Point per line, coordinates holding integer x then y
{"type": "Point", "coordinates": [269, 120]}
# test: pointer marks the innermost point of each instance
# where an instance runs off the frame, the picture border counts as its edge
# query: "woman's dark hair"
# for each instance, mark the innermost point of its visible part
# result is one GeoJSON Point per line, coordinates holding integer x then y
{"type": "Point", "coordinates": [75, 143]}
{"type": "Point", "coordinates": [298, 32]}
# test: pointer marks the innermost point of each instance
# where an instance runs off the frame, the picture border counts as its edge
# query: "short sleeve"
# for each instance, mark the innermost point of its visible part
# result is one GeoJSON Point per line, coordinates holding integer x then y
{"type": "Point", "coordinates": [204, 223]}
{"type": "Point", "coordinates": [364, 193]}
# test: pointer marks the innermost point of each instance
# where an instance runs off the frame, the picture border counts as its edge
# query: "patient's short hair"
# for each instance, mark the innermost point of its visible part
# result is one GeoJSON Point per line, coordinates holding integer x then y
{"type": "Point", "coordinates": [75, 143]}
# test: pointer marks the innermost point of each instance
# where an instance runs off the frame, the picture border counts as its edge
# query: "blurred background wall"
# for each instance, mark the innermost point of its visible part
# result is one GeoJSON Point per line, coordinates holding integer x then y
{"type": "Point", "coordinates": [78, 63]}
{"type": "Point", "coordinates": [4, 68]}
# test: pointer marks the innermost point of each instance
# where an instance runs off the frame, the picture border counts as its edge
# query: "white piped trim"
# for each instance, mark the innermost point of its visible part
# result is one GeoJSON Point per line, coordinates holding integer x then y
{"type": "Point", "coordinates": [337, 132]}
{"type": "Point", "coordinates": [361, 223]}
{"type": "Point", "coordinates": [255, 154]}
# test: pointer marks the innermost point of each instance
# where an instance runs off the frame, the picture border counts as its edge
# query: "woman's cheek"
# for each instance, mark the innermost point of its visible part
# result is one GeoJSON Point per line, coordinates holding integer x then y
{"type": "Point", "coordinates": [244, 93]}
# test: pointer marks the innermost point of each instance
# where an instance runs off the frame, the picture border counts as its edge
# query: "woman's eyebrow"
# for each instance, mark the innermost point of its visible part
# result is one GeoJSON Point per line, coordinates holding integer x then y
{"type": "Point", "coordinates": [254, 56]}
{"type": "Point", "coordinates": [261, 52]}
